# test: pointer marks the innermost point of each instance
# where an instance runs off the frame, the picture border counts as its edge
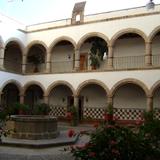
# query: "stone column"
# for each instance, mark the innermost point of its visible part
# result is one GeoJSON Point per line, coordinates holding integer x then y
{"type": "Point", "coordinates": [1, 57]}
{"type": "Point", "coordinates": [48, 63]}
{"type": "Point", "coordinates": [46, 99]}
{"type": "Point", "coordinates": [22, 99]}
{"type": "Point", "coordinates": [110, 100]}
{"type": "Point", "coordinates": [77, 60]}
{"type": "Point", "coordinates": [24, 62]}
{"type": "Point", "coordinates": [76, 101]}
{"type": "Point", "coordinates": [110, 58]}
{"type": "Point", "coordinates": [149, 103]}
{"type": "Point", "coordinates": [148, 55]}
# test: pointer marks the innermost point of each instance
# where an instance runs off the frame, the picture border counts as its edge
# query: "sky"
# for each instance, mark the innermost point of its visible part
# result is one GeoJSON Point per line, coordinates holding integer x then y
{"type": "Point", "coordinates": [38, 11]}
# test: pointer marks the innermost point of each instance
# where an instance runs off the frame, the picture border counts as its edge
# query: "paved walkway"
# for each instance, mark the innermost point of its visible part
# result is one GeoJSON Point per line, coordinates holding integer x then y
{"type": "Point", "coordinates": [52, 153]}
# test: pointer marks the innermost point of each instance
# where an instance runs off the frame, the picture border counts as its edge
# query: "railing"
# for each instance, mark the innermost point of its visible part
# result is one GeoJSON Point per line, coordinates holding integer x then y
{"type": "Point", "coordinates": [156, 60]}
{"type": "Point", "coordinates": [31, 68]}
{"type": "Point", "coordinates": [62, 66]}
{"type": "Point", "coordinates": [129, 62]}
{"type": "Point", "coordinates": [13, 66]}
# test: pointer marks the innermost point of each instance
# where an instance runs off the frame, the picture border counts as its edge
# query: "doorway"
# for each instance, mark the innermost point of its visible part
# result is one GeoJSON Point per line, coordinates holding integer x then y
{"type": "Point", "coordinates": [83, 62]}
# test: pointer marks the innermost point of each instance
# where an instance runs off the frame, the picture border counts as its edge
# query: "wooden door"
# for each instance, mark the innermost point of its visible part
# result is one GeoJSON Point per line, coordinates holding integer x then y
{"type": "Point", "coordinates": [82, 62]}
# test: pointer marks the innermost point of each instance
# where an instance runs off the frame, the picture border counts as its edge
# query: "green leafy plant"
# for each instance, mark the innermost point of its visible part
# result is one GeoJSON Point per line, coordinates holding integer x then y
{"type": "Point", "coordinates": [41, 109]}
{"type": "Point", "coordinates": [114, 142]}
{"type": "Point", "coordinates": [36, 59]}
{"type": "Point", "coordinates": [98, 48]}
{"type": "Point", "coordinates": [73, 115]}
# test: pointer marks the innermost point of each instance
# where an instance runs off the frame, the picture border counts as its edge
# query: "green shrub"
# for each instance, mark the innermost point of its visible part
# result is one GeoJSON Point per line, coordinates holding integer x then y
{"type": "Point", "coordinates": [114, 142]}
{"type": "Point", "coordinates": [41, 109]}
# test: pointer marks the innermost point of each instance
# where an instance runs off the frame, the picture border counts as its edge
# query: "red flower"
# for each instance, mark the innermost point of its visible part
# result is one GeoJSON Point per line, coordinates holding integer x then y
{"type": "Point", "coordinates": [71, 133]}
{"type": "Point", "coordinates": [92, 154]}
{"type": "Point", "coordinates": [69, 115]}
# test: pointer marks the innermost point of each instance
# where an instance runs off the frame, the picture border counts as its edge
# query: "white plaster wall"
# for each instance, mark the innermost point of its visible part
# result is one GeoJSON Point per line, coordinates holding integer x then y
{"type": "Point", "coordinates": [148, 77]}
{"type": "Point", "coordinates": [129, 96]}
{"type": "Point", "coordinates": [108, 28]}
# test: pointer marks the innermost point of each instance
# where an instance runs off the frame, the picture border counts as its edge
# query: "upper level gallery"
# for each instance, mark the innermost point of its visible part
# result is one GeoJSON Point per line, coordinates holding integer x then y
{"type": "Point", "coordinates": [124, 40]}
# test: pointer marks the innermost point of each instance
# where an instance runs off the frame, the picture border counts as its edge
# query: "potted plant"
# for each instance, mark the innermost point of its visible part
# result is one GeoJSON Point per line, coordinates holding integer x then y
{"type": "Point", "coordinates": [108, 113]}
{"type": "Point", "coordinates": [98, 48]}
{"type": "Point", "coordinates": [72, 115]}
{"type": "Point", "coordinates": [19, 108]}
{"type": "Point", "coordinates": [41, 109]}
{"type": "Point", "coordinates": [36, 60]}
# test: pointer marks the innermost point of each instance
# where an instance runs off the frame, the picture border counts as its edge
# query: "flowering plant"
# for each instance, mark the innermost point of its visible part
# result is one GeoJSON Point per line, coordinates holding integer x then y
{"type": "Point", "coordinates": [114, 142]}
{"type": "Point", "coordinates": [72, 115]}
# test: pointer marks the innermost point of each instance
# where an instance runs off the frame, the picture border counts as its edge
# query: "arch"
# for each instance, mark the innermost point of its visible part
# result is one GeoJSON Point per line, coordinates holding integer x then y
{"type": "Point", "coordinates": [12, 81]}
{"type": "Point", "coordinates": [128, 30]}
{"type": "Point", "coordinates": [57, 83]}
{"type": "Point", "coordinates": [131, 81]}
{"type": "Point", "coordinates": [153, 33]}
{"type": "Point", "coordinates": [92, 34]}
{"type": "Point", "coordinates": [36, 42]}
{"type": "Point", "coordinates": [18, 41]}
{"type": "Point", "coordinates": [155, 86]}
{"type": "Point", "coordinates": [28, 84]}
{"type": "Point", "coordinates": [63, 38]}
{"type": "Point", "coordinates": [92, 81]}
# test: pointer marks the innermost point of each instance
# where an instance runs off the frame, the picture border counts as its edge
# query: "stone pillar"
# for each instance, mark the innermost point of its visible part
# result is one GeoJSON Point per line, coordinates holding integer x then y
{"type": "Point", "coordinates": [110, 100]}
{"type": "Point", "coordinates": [77, 60]}
{"type": "Point", "coordinates": [110, 58]}
{"type": "Point", "coordinates": [1, 57]}
{"type": "Point", "coordinates": [149, 103]}
{"type": "Point", "coordinates": [48, 63]}
{"type": "Point", "coordinates": [22, 99]}
{"type": "Point", "coordinates": [24, 62]}
{"type": "Point", "coordinates": [76, 101]}
{"type": "Point", "coordinates": [46, 99]}
{"type": "Point", "coordinates": [148, 55]}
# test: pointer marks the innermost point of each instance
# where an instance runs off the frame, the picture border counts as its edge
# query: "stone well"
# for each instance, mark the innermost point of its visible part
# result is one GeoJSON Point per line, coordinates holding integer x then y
{"type": "Point", "coordinates": [32, 127]}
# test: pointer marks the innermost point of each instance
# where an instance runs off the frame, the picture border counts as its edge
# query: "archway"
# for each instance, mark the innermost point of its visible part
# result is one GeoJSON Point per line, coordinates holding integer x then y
{"type": "Point", "coordinates": [36, 59]}
{"type": "Point", "coordinates": [13, 57]}
{"type": "Point", "coordinates": [10, 95]}
{"type": "Point", "coordinates": [33, 95]}
{"type": "Point", "coordinates": [93, 53]}
{"type": "Point", "coordinates": [129, 51]}
{"type": "Point", "coordinates": [60, 99]}
{"type": "Point", "coordinates": [62, 57]}
{"type": "Point", "coordinates": [92, 101]}
{"type": "Point", "coordinates": [156, 50]}
{"type": "Point", "coordinates": [129, 100]}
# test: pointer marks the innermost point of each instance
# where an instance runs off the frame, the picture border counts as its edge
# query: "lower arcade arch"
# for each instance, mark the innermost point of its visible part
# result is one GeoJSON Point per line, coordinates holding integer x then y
{"type": "Point", "coordinates": [10, 95]}
{"type": "Point", "coordinates": [33, 95]}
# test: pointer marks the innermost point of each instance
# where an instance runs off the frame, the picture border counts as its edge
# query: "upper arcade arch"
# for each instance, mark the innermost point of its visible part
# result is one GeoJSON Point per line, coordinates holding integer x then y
{"type": "Point", "coordinates": [90, 35]}
{"type": "Point", "coordinates": [59, 39]}
{"type": "Point", "coordinates": [153, 33]}
{"type": "Point", "coordinates": [126, 31]}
